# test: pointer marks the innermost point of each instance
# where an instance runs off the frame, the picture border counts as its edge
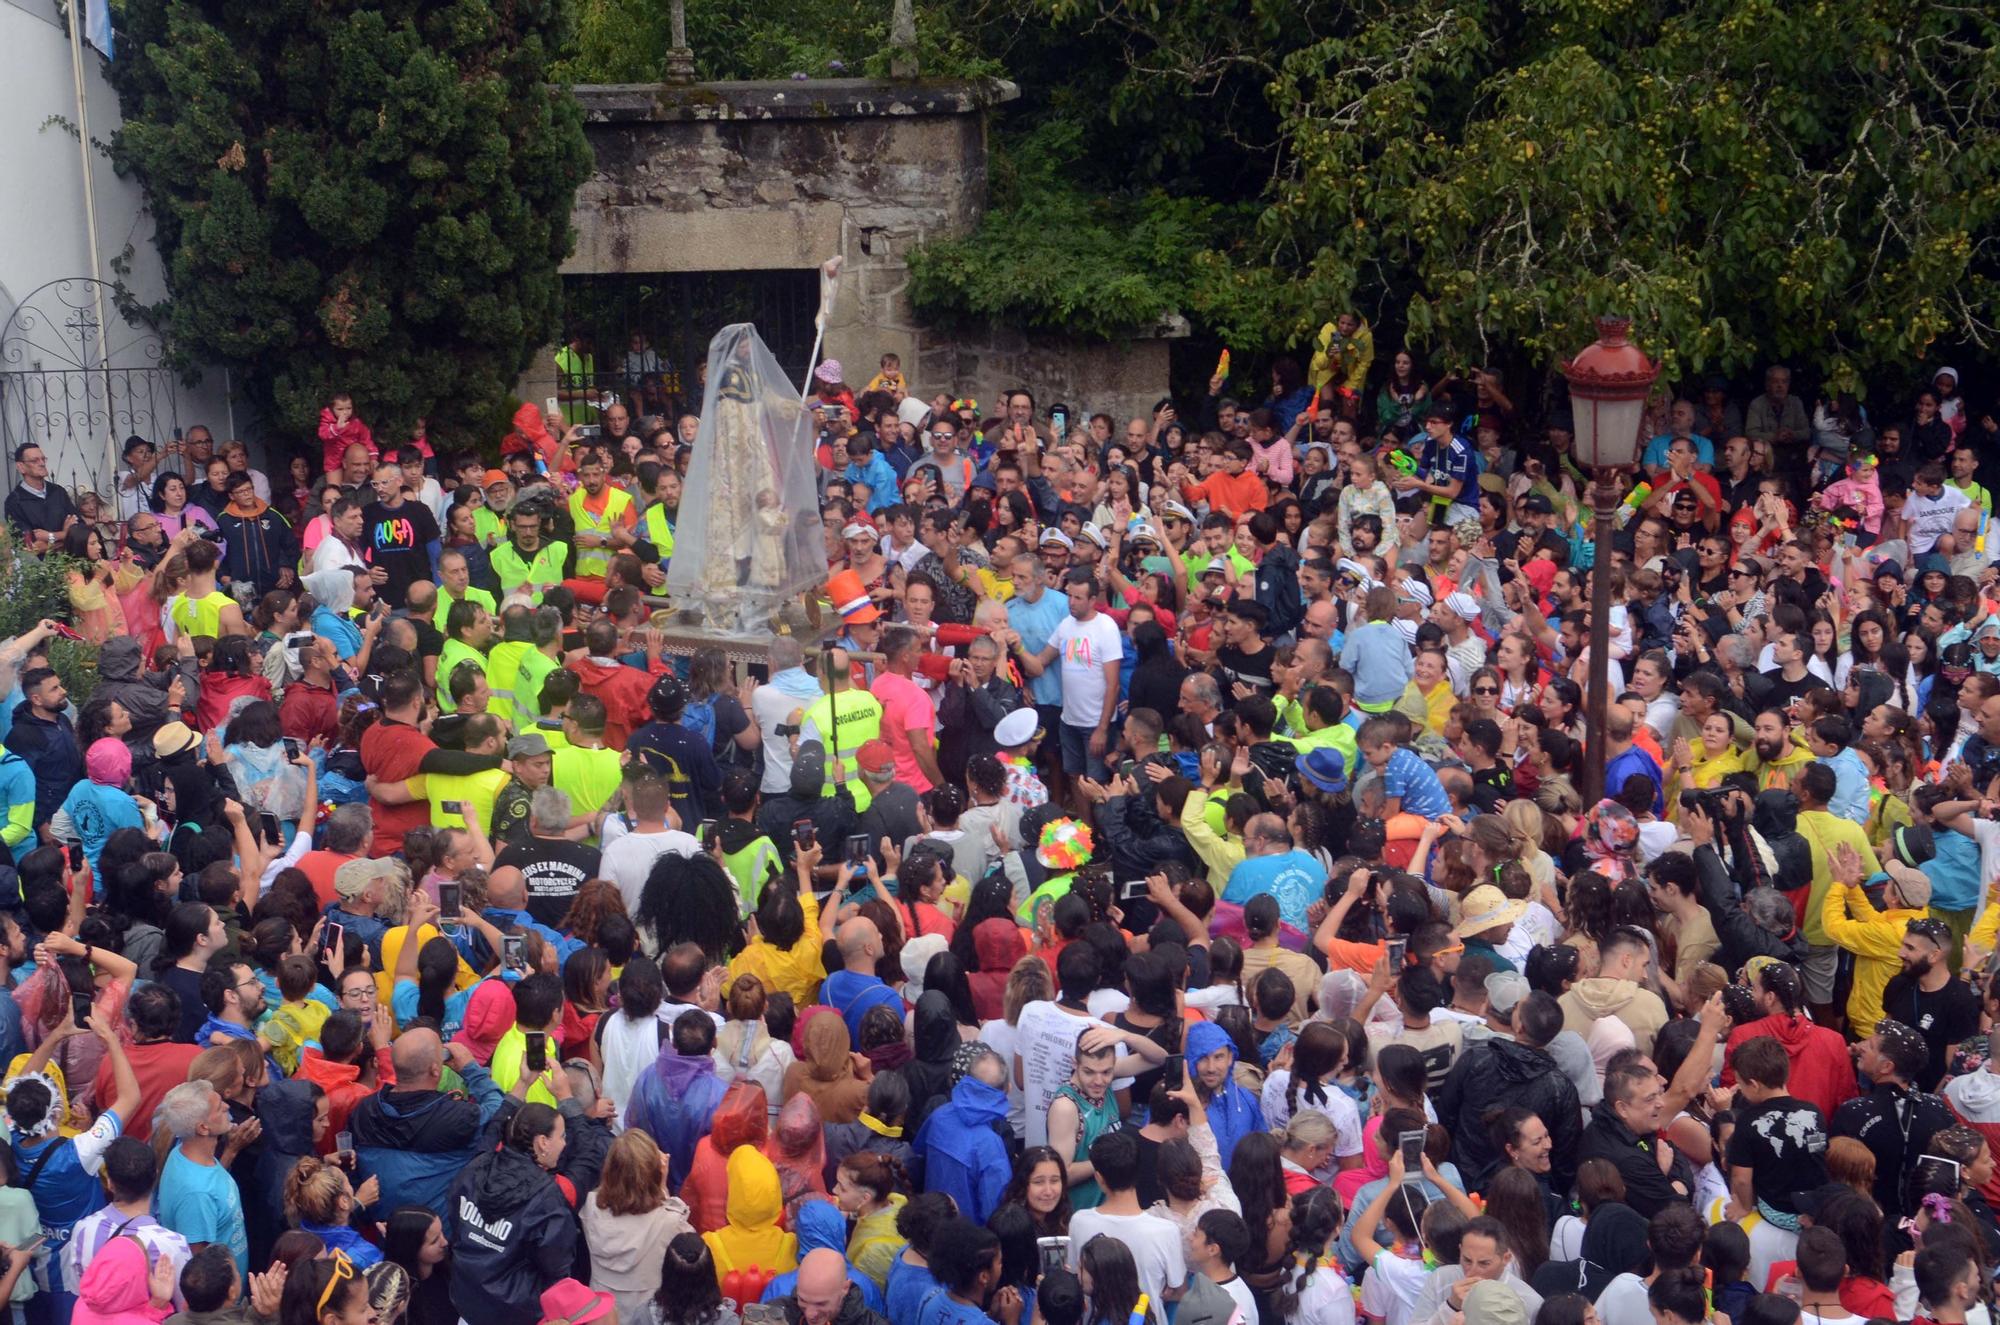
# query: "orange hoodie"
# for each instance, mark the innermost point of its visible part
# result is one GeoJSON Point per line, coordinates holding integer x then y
{"type": "Point", "coordinates": [342, 1084]}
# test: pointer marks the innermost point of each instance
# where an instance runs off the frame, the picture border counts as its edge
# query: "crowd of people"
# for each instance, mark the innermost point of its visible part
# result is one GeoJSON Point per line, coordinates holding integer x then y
{"type": "Point", "coordinates": [1163, 893]}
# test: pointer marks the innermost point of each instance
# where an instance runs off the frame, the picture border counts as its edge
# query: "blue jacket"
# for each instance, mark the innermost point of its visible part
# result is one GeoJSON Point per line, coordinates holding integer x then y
{"type": "Point", "coordinates": [1234, 1111]}
{"type": "Point", "coordinates": [820, 1224]}
{"type": "Point", "coordinates": [674, 1101]}
{"type": "Point", "coordinates": [17, 804]}
{"type": "Point", "coordinates": [331, 624]}
{"type": "Point", "coordinates": [96, 812]}
{"type": "Point", "coordinates": [417, 1141]}
{"type": "Point", "coordinates": [964, 1156]}
{"type": "Point", "coordinates": [852, 995]}
{"type": "Point", "coordinates": [1850, 785]}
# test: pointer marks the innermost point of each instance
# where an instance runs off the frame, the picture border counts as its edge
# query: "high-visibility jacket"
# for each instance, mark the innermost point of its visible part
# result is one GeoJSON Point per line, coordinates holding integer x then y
{"type": "Point", "coordinates": [659, 532]}
{"type": "Point", "coordinates": [542, 571]}
{"type": "Point", "coordinates": [503, 669]}
{"type": "Point", "coordinates": [200, 616]}
{"type": "Point", "coordinates": [592, 562]}
{"type": "Point", "coordinates": [534, 669]}
{"type": "Point", "coordinates": [843, 728]}
{"type": "Point", "coordinates": [455, 651]}
{"type": "Point", "coordinates": [472, 595]}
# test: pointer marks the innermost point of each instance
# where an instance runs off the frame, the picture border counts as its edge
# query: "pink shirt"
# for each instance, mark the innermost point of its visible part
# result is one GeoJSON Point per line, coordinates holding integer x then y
{"type": "Point", "coordinates": [905, 709]}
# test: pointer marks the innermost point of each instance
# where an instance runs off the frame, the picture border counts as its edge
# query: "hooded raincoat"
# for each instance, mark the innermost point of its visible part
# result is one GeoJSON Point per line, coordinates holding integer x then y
{"type": "Point", "coordinates": [514, 1236]}
{"type": "Point", "coordinates": [740, 1120]}
{"type": "Point", "coordinates": [964, 1155]}
{"type": "Point", "coordinates": [675, 1101]}
{"type": "Point", "coordinates": [1233, 1111]}
{"type": "Point", "coordinates": [1587, 1001]}
{"type": "Point", "coordinates": [825, 1070]}
{"type": "Point", "coordinates": [798, 1151]}
{"type": "Point", "coordinates": [821, 1226]}
{"type": "Point", "coordinates": [752, 1237]}
{"type": "Point", "coordinates": [114, 1289]}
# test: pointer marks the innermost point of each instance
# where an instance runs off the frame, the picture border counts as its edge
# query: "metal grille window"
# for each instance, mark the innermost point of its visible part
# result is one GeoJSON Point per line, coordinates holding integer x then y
{"type": "Point", "coordinates": [675, 315]}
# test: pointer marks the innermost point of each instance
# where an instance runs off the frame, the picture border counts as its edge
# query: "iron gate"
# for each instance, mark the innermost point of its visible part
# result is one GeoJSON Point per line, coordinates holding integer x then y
{"type": "Point", "coordinates": [57, 391]}
{"type": "Point", "coordinates": [678, 313]}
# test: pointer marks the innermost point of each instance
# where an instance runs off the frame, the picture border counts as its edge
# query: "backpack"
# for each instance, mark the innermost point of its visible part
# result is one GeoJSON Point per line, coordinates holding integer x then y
{"type": "Point", "coordinates": [699, 718]}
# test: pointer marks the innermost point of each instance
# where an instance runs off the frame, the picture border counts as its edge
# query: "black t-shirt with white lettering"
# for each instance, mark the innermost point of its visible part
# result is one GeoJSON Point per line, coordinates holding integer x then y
{"type": "Point", "coordinates": [1254, 669]}
{"type": "Point", "coordinates": [555, 870]}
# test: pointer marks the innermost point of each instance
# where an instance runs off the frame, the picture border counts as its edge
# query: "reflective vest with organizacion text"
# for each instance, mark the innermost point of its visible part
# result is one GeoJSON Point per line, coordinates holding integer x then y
{"type": "Point", "coordinates": [592, 562]}
{"type": "Point", "coordinates": [845, 721]}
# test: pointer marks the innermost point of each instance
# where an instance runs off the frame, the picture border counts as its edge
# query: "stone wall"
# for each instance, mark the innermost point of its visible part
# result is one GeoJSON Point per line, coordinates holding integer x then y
{"type": "Point", "coordinates": [783, 175]}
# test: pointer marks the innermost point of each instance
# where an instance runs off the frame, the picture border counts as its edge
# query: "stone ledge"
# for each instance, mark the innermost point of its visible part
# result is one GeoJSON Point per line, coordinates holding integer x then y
{"type": "Point", "coordinates": [789, 99]}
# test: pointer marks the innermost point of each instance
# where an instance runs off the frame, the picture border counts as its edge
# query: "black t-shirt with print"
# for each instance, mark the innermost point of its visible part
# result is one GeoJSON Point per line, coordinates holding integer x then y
{"type": "Point", "coordinates": [555, 870]}
{"type": "Point", "coordinates": [1783, 1143]}
{"type": "Point", "coordinates": [399, 542]}
{"type": "Point", "coordinates": [1253, 669]}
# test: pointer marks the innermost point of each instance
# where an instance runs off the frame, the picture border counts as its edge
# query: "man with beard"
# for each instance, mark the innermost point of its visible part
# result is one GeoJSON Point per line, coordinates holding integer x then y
{"type": "Point", "coordinates": [1790, 678]}
{"type": "Point", "coordinates": [1894, 1120]}
{"type": "Point", "coordinates": [1926, 997]}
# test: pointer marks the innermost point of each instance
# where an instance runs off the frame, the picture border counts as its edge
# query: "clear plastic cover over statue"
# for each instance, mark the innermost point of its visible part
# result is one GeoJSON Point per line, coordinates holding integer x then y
{"type": "Point", "coordinates": [748, 541]}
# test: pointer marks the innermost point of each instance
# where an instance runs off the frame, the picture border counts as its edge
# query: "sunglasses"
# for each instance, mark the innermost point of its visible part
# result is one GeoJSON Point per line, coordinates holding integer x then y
{"type": "Point", "coordinates": [1486, 690]}
{"type": "Point", "coordinates": [342, 1269]}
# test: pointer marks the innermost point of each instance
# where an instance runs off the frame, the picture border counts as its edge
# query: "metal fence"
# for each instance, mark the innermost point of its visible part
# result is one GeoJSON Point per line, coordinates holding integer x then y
{"type": "Point", "coordinates": [675, 314]}
{"type": "Point", "coordinates": [78, 405]}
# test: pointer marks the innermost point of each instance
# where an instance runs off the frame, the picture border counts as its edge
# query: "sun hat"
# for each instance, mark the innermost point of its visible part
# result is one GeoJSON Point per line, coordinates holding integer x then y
{"type": "Point", "coordinates": [1464, 604]}
{"type": "Point", "coordinates": [1484, 908]}
{"type": "Point", "coordinates": [568, 1302]}
{"type": "Point", "coordinates": [174, 738]}
{"type": "Point", "coordinates": [828, 370]}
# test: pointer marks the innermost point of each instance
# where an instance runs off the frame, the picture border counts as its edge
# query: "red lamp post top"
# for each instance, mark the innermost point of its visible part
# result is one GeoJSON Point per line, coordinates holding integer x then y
{"type": "Point", "coordinates": [1608, 385]}
{"type": "Point", "coordinates": [1613, 368]}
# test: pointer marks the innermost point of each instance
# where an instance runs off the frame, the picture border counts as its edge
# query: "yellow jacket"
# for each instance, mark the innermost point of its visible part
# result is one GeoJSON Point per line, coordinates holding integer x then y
{"type": "Point", "coordinates": [1876, 940]}
{"type": "Point", "coordinates": [752, 1238]}
{"type": "Point", "coordinates": [1221, 854]}
{"type": "Point", "coordinates": [797, 970]}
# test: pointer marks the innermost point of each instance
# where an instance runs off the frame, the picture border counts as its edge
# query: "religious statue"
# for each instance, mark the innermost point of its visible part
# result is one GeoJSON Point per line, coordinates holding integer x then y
{"type": "Point", "coordinates": [749, 527]}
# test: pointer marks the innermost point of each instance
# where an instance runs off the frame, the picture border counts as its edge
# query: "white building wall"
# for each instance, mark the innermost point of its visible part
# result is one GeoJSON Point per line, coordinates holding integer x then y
{"type": "Point", "coordinates": [43, 235]}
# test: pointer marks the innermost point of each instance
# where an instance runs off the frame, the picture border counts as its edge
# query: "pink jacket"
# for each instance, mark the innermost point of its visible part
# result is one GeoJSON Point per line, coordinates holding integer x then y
{"type": "Point", "coordinates": [1277, 457]}
{"type": "Point", "coordinates": [338, 437]}
{"type": "Point", "coordinates": [1863, 494]}
{"type": "Point", "coordinates": [113, 1290]}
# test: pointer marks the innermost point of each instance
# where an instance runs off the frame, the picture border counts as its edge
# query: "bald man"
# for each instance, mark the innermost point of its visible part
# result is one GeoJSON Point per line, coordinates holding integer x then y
{"type": "Point", "coordinates": [855, 988]}
{"type": "Point", "coordinates": [823, 1294]}
{"type": "Point", "coordinates": [415, 1136]}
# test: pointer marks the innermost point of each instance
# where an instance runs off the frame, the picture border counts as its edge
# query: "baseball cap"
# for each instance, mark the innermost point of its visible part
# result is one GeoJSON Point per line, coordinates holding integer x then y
{"type": "Point", "coordinates": [527, 745]}
{"type": "Point", "coordinates": [874, 757]}
{"type": "Point", "coordinates": [1505, 989]}
{"type": "Point", "coordinates": [496, 476]}
{"type": "Point", "coordinates": [1539, 503]}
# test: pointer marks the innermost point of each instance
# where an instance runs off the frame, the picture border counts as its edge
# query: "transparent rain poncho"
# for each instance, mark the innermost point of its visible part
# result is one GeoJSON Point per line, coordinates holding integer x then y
{"type": "Point", "coordinates": [748, 540]}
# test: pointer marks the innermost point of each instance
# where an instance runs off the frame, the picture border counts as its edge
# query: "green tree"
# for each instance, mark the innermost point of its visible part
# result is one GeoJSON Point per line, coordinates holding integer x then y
{"type": "Point", "coordinates": [371, 198]}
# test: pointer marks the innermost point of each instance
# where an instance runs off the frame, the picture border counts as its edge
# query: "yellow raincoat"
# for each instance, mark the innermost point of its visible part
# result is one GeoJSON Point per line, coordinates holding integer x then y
{"type": "Point", "coordinates": [752, 1238]}
{"type": "Point", "coordinates": [1875, 938]}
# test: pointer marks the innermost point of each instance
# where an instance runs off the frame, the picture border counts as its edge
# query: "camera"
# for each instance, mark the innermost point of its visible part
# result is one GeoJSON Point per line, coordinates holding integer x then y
{"type": "Point", "coordinates": [211, 535]}
{"type": "Point", "coordinates": [1713, 802]}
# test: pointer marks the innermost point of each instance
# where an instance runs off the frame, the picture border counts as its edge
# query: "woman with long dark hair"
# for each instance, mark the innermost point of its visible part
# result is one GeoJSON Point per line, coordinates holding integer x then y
{"type": "Point", "coordinates": [586, 996]}
{"type": "Point", "coordinates": [1515, 1198]}
{"type": "Point", "coordinates": [93, 597]}
{"type": "Point", "coordinates": [693, 901]}
{"type": "Point", "coordinates": [192, 935]}
{"type": "Point", "coordinates": [1111, 1281]}
{"type": "Point", "coordinates": [1311, 1294]}
{"type": "Point", "coordinates": [415, 1240]}
{"type": "Point", "coordinates": [690, 1290]}
{"type": "Point", "coordinates": [1257, 1174]}
{"type": "Point", "coordinates": [1040, 1186]}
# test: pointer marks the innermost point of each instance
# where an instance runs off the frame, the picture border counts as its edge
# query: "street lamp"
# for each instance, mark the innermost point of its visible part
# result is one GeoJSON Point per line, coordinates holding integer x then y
{"type": "Point", "coordinates": [1608, 385]}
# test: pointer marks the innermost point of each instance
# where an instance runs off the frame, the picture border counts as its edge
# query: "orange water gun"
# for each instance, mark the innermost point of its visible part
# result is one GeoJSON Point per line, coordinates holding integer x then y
{"type": "Point", "coordinates": [1222, 364]}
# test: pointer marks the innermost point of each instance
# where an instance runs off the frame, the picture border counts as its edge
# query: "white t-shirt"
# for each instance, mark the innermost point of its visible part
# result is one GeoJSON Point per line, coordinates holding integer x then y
{"type": "Point", "coordinates": [1623, 1302]}
{"type": "Point", "coordinates": [1083, 647]}
{"type": "Point", "coordinates": [1245, 1301]}
{"type": "Point", "coordinates": [999, 1036]}
{"type": "Point", "coordinates": [1155, 1244]}
{"type": "Point", "coordinates": [1929, 517]}
{"type": "Point", "coordinates": [1389, 1287]}
{"type": "Point", "coordinates": [628, 861]}
{"type": "Point", "coordinates": [1327, 1299]}
{"type": "Point", "coordinates": [1045, 1042]}
{"type": "Point", "coordinates": [771, 706]}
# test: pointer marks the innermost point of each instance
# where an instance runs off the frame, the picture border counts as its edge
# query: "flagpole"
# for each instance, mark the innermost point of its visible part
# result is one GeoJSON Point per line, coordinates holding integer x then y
{"type": "Point", "coordinates": [76, 21]}
{"type": "Point", "coordinates": [829, 273]}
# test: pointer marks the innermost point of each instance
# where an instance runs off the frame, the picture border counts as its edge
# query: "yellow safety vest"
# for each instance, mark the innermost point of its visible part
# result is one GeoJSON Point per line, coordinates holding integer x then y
{"type": "Point", "coordinates": [201, 616]}
{"type": "Point", "coordinates": [472, 595]}
{"type": "Point", "coordinates": [503, 670]}
{"type": "Point", "coordinates": [592, 562]}
{"type": "Point", "coordinates": [545, 571]}
{"type": "Point", "coordinates": [658, 532]}
{"type": "Point", "coordinates": [533, 669]}
{"type": "Point", "coordinates": [455, 651]}
{"type": "Point", "coordinates": [843, 733]}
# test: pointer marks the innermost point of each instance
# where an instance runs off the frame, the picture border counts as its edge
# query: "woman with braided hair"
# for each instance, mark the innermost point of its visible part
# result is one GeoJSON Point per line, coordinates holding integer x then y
{"type": "Point", "coordinates": [1318, 1058]}
{"type": "Point", "coordinates": [1312, 1293]}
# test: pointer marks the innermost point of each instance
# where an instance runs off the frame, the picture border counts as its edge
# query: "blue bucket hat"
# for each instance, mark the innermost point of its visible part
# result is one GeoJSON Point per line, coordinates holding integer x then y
{"type": "Point", "coordinates": [1325, 768]}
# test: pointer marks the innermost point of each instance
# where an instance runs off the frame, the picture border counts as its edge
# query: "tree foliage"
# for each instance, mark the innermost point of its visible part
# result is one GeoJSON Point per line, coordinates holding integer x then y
{"type": "Point", "coordinates": [38, 590]}
{"type": "Point", "coordinates": [364, 197]}
{"type": "Point", "coordinates": [1817, 180]}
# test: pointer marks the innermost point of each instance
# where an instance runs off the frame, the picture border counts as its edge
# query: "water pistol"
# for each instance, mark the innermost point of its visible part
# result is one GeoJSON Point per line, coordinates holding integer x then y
{"type": "Point", "coordinates": [1222, 364]}
{"type": "Point", "coordinates": [1312, 406]}
{"type": "Point", "coordinates": [1404, 462]}
{"type": "Point", "coordinates": [1637, 497]}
